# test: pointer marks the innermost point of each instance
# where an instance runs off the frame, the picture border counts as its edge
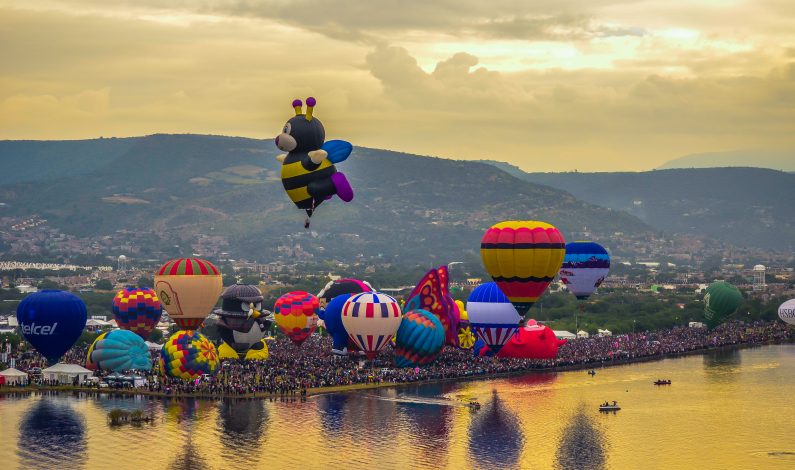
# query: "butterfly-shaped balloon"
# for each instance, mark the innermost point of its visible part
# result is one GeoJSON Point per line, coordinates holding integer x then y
{"type": "Point", "coordinates": [433, 295]}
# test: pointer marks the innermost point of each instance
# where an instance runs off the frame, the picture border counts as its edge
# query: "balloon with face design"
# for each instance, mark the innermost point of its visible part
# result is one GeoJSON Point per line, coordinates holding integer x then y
{"type": "Point", "coordinates": [308, 173]}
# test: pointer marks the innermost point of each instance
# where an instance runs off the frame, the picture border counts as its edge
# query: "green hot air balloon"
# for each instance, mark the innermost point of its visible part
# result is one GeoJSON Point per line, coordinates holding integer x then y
{"type": "Point", "coordinates": [721, 299]}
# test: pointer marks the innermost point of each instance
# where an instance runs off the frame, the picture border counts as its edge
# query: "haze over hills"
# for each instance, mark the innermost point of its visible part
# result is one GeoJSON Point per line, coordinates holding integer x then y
{"type": "Point", "coordinates": [743, 206]}
{"type": "Point", "coordinates": [784, 161]}
{"type": "Point", "coordinates": [168, 190]}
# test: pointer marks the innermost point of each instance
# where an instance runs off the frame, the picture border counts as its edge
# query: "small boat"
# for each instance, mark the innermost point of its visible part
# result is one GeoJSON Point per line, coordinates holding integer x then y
{"type": "Point", "coordinates": [662, 382]}
{"type": "Point", "coordinates": [591, 372]}
{"type": "Point", "coordinates": [609, 407]}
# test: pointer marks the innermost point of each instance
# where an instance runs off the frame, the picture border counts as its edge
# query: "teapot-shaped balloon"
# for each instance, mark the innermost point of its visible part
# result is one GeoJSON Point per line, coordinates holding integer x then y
{"type": "Point", "coordinates": [308, 172]}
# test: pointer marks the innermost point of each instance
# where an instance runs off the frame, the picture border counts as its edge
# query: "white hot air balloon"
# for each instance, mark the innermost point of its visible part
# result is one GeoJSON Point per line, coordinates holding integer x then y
{"type": "Point", "coordinates": [371, 320]}
{"type": "Point", "coordinates": [787, 312]}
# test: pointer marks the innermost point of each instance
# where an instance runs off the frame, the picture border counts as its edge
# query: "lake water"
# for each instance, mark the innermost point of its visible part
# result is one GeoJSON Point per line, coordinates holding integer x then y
{"type": "Point", "coordinates": [729, 409]}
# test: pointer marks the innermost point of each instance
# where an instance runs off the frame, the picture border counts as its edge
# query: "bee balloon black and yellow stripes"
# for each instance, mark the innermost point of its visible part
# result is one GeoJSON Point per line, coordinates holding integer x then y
{"type": "Point", "coordinates": [308, 173]}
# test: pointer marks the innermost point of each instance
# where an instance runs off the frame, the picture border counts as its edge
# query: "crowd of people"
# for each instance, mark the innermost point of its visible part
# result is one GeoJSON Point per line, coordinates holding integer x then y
{"type": "Point", "coordinates": [291, 370]}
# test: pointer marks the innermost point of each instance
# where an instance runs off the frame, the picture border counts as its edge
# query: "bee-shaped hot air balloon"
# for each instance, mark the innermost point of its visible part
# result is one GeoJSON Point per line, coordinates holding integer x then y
{"type": "Point", "coordinates": [308, 172]}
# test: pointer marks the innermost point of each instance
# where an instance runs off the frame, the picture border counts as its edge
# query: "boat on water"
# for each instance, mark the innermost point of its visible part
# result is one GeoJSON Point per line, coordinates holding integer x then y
{"type": "Point", "coordinates": [663, 382]}
{"type": "Point", "coordinates": [607, 406]}
{"type": "Point", "coordinates": [591, 372]}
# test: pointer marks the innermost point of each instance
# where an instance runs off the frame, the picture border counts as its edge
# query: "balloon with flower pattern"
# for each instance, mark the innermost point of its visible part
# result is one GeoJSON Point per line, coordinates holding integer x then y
{"type": "Point", "coordinates": [188, 355]}
{"type": "Point", "coordinates": [137, 309]}
{"type": "Point", "coordinates": [296, 315]}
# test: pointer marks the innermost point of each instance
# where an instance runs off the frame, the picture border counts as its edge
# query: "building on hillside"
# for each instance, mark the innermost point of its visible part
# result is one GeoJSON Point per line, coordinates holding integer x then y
{"type": "Point", "coordinates": [759, 278]}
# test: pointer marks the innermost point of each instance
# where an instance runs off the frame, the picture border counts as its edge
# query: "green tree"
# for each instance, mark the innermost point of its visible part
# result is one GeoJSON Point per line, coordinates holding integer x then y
{"type": "Point", "coordinates": [104, 284]}
{"type": "Point", "coordinates": [144, 281]}
{"type": "Point", "coordinates": [156, 336]}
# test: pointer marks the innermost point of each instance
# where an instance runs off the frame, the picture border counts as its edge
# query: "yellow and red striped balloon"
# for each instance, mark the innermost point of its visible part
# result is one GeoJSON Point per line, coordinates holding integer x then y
{"type": "Point", "coordinates": [296, 315]}
{"type": "Point", "coordinates": [522, 256]}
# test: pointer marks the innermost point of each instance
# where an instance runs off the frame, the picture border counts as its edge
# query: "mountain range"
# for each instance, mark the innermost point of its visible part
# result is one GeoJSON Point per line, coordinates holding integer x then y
{"type": "Point", "coordinates": [168, 190]}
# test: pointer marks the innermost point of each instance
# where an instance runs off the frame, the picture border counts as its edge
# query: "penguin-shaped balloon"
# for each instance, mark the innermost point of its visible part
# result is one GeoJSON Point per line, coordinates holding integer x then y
{"type": "Point", "coordinates": [308, 172]}
{"type": "Point", "coordinates": [241, 321]}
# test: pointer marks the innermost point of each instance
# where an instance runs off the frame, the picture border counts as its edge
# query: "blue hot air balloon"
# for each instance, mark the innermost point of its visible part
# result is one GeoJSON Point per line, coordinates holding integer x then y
{"type": "Point", "coordinates": [119, 350]}
{"type": "Point", "coordinates": [419, 339]}
{"type": "Point", "coordinates": [52, 321]}
{"type": "Point", "coordinates": [332, 317]}
{"type": "Point", "coordinates": [585, 266]}
{"type": "Point", "coordinates": [492, 315]}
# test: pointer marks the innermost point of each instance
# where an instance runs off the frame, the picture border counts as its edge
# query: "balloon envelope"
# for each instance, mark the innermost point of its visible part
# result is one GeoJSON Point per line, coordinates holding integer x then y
{"type": "Point", "coordinates": [188, 355]}
{"type": "Point", "coordinates": [522, 256]}
{"type": "Point", "coordinates": [466, 339]}
{"type": "Point", "coordinates": [52, 321]}
{"type": "Point", "coordinates": [532, 342]}
{"type": "Point", "coordinates": [188, 288]}
{"type": "Point", "coordinates": [296, 315]}
{"type": "Point", "coordinates": [241, 321]}
{"type": "Point", "coordinates": [721, 299]}
{"type": "Point", "coordinates": [786, 312]}
{"type": "Point", "coordinates": [342, 286]}
{"type": "Point", "coordinates": [585, 266]}
{"type": "Point", "coordinates": [332, 317]}
{"type": "Point", "coordinates": [137, 309]}
{"type": "Point", "coordinates": [419, 339]}
{"type": "Point", "coordinates": [119, 350]}
{"type": "Point", "coordinates": [371, 319]}
{"type": "Point", "coordinates": [492, 315]}
{"type": "Point", "coordinates": [432, 294]}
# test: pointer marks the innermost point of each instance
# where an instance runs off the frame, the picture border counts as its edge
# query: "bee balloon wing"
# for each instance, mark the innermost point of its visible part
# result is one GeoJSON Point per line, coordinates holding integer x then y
{"type": "Point", "coordinates": [338, 150]}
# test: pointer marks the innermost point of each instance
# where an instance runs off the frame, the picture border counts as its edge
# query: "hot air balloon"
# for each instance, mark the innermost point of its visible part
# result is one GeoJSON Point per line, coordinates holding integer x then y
{"type": "Point", "coordinates": [419, 339]}
{"type": "Point", "coordinates": [342, 286]}
{"type": "Point", "coordinates": [241, 321]}
{"type": "Point", "coordinates": [533, 341]}
{"type": "Point", "coordinates": [308, 172]}
{"type": "Point", "coordinates": [492, 315]}
{"type": "Point", "coordinates": [371, 319]}
{"type": "Point", "coordinates": [721, 299]}
{"type": "Point", "coordinates": [188, 355]}
{"type": "Point", "coordinates": [585, 266]}
{"type": "Point", "coordinates": [787, 312]}
{"type": "Point", "coordinates": [52, 321]}
{"type": "Point", "coordinates": [296, 315]}
{"type": "Point", "coordinates": [432, 294]}
{"type": "Point", "coordinates": [119, 350]}
{"type": "Point", "coordinates": [137, 309]}
{"type": "Point", "coordinates": [522, 257]}
{"type": "Point", "coordinates": [466, 339]}
{"type": "Point", "coordinates": [188, 288]}
{"type": "Point", "coordinates": [332, 317]}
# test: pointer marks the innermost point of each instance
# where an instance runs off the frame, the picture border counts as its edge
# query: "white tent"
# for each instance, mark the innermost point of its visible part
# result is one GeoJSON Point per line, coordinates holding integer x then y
{"type": "Point", "coordinates": [65, 374]}
{"type": "Point", "coordinates": [563, 334]}
{"type": "Point", "coordinates": [153, 346]}
{"type": "Point", "coordinates": [14, 376]}
{"type": "Point", "coordinates": [93, 322]}
{"type": "Point", "coordinates": [582, 334]}
{"type": "Point", "coordinates": [605, 333]}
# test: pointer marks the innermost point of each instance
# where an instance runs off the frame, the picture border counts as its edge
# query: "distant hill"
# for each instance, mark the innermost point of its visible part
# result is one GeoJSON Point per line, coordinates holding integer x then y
{"type": "Point", "coordinates": [784, 161]}
{"type": "Point", "coordinates": [743, 206]}
{"type": "Point", "coordinates": [175, 188]}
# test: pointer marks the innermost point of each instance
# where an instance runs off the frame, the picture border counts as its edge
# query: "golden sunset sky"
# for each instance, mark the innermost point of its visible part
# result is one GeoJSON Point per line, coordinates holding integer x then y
{"type": "Point", "coordinates": [548, 85]}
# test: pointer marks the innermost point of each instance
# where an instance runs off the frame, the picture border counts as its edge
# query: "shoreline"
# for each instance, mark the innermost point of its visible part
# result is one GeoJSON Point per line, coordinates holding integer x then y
{"type": "Point", "coordinates": [27, 390]}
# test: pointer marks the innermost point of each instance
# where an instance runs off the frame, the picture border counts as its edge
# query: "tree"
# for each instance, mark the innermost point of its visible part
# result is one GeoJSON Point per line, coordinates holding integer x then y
{"type": "Point", "coordinates": [104, 284]}
{"type": "Point", "coordinates": [156, 336]}
{"type": "Point", "coordinates": [49, 284]}
{"type": "Point", "coordinates": [144, 281]}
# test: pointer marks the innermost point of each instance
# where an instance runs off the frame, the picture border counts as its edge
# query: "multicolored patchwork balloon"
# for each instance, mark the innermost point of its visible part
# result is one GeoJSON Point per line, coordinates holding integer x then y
{"type": "Point", "coordinates": [118, 350]}
{"type": "Point", "coordinates": [188, 355]}
{"type": "Point", "coordinates": [137, 309]}
{"type": "Point", "coordinates": [522, 256]}
{"type": "Point", "coordinates": [419, 339]}
{"type": "Point", "coordinates": [585, 266]}
{"type": "Point", "coordinates": [492, 315]}
{"type": "Point", "coordinates": [188, 288]}
{"type": "Point", "coordinates": [371, 320]}
{"type": "Point", "coordinates": [296, 315]}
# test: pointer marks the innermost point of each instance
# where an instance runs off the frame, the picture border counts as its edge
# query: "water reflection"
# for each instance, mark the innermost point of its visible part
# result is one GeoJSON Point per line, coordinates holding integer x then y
{"type": "Point", "coordinates": [495, 436]}
{"type": "Point", "coordinates": [189, 458]}
{"type": "Point", "coordinates": [427, 421]}
{"type": "Point", "coordinates": [582, 444]}
{"type": "Point", "coordinates": [242, 426]}
{"type": "Point", "coordinates": [52, 435]}
{"type": "Point", "coordinates": [722, 365]}
{"type": "Point", "coordinates": [331, 408]}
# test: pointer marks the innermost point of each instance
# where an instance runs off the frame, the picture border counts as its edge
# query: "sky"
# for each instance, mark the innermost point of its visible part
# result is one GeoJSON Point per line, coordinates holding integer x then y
{"type": "Point", "coordinates": [547, 85]}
